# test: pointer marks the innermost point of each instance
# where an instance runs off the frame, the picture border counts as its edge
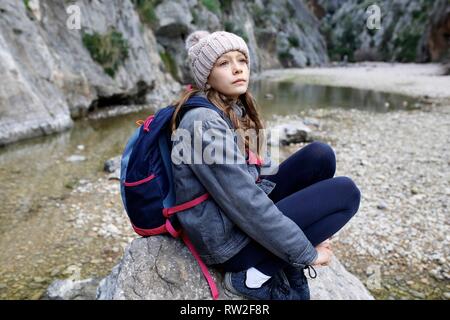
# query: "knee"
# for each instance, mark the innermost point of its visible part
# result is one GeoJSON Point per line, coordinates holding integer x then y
{"type": "Point", "coordinates": [352, 194]}
{"type": "Point", "coordinates": [324, 156]}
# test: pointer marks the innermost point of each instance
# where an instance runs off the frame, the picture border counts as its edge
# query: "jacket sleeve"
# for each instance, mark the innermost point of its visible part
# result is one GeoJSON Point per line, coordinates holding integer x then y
{"type": "Point", "coordinates": [234, 190]}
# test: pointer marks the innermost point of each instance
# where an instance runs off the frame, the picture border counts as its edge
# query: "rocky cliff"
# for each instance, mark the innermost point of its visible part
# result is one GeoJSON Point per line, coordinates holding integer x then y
{"type": "Point", "coordinates": [410, 31]}
{"type": "Point", "coordinates": [61, 60]}
{"type": "Point", "coordinates": [52, 74]}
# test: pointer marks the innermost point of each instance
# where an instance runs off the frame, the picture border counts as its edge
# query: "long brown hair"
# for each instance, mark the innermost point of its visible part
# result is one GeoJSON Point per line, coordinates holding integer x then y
{"type": "Point", "coordinates": [251, 119]}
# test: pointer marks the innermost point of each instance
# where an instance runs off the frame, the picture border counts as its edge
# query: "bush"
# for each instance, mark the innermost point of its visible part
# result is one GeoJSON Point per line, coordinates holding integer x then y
{"type": "Point", "coordinates": [226, 5]}
{"type": "Point", "coordinates": [293, 41]}
{"type": "Point", "coordinates": [108, 50]}
{"type": "Point", "coordinates": [231, 27]}
{"type": "Point", "coordinates": [212, 5]}
{"type": "Point", "coordinates": [26, 3]}
{"type": "Point", "coordinates": [170, 64]}
{"type": "Point", "coordinates": [146, 11]}
{"type": "Point", "coordinates": [407, 44]}
{"type": "Point", "coordinates": [285, 58]}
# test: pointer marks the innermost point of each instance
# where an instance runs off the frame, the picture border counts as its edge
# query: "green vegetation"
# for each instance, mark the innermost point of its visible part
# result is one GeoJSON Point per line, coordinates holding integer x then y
{"type": "Point", "coordinates": [226, 5]}
{"type": "Point", "coordinates": [231, 27]}
{"type": "Point", "coordinates": [290, 9]}
{"type": "Point", "coordinates": [195, 19]}
{"type": "Point", "coordinates": [146, 11]}
{"type": "Point", "coordinates": [284, 57]}
{"type": "Point", "coordinates": [407, 43]}
{"type": "Point", "coordinates": [170, 64]}
{"type": "Point", "coordinates": [293, 41]}
{"type": "Point", "coordinates": [71, 184]}
{"type": "Point", "coordinates": [260, 15]}
{"type": "Point", "coordinates": [109, 50]}
{"type": "Point", "coordinates": [212, 5]}
{"type": "Point", "coordinates": [26, 3]}
{"type": "Point", "coordinates": [345, 44]}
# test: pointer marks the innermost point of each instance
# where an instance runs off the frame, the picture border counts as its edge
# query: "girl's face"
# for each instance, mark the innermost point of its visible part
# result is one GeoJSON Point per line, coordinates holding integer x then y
{"type": "Point", "coordinates": [230, 74]}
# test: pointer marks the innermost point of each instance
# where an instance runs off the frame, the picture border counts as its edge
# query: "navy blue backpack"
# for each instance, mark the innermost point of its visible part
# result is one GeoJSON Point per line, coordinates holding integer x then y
{"type": "Point", "coordinates": [146, 180]}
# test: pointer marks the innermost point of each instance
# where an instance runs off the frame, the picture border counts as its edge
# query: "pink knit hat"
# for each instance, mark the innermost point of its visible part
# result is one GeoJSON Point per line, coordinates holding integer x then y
{"type": "Point", "coordinates": [205, 48]}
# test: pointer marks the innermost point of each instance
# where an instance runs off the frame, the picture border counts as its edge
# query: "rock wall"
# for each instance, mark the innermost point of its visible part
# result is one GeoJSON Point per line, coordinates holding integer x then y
{"type": "Point", "coordinates": [131, 52]}
{"type": "Point", "coordinates": [127, 52]}
{"type": "Point", "coordinates": [411, 31]}
{"type": "Point", "coordinates": [280, 33]}
{"type": "Point", "coordinates": [48, 75]}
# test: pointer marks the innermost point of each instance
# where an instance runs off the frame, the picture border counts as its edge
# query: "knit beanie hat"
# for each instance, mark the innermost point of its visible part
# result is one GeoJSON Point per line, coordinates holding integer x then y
{"type": "Point", "coordinates": [205, 48]}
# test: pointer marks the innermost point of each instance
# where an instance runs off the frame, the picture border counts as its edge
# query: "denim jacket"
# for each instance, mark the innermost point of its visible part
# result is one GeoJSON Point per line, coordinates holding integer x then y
{"type": "Point", "coordinates": [238, 208]}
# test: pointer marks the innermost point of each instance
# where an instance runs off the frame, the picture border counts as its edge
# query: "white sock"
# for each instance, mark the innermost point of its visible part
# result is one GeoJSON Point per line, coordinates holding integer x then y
{"type": "Point", "coordinates": [255, 278]}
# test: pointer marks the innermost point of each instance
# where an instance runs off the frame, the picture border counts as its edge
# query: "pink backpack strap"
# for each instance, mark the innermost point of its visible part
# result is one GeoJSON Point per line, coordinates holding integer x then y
{"type": "Point", "coordinates": [149, 232]}
{"type": "Point", "coordinates": [167, 212]}
{"type": "Point", "coordinates": [212, 285]}
{"type": "Point", "coordinates": [203, 267]}
{"type": "Point", "coordinates": [254, 159]}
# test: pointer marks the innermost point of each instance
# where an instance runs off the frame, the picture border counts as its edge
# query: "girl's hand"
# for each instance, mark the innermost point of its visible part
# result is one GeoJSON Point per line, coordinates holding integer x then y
{"type": "Point", "coordinates": [326, 244]}
{"type": "Point", "coordinates": [324, 255]}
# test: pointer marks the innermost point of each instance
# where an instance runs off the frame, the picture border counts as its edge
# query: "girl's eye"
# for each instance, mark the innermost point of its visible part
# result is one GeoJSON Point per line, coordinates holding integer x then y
{"type": "Point", "coordinates": [244, 60]}
{"type": "Point", "coordinates": [223, 63]}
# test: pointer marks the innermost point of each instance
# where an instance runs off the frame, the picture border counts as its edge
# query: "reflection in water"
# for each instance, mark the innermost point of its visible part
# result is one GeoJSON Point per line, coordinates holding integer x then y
{"type": "Point", "coordinates": [34, 169]}
{"type": "Point", "coordinates": [292, 97]}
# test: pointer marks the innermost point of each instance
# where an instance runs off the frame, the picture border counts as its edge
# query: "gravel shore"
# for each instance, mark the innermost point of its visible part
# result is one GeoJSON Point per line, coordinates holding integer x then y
{"type": "Point", "coordinates": [398, 242]}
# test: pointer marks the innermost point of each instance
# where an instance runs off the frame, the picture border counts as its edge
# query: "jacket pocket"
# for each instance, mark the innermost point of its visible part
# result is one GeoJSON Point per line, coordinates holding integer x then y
{"type": "Point", "coordinates": [215, 229]}
{"type": "Point", "coordinates": [266, 185]}
{"type": "Point", "coordinates": [253, 171]}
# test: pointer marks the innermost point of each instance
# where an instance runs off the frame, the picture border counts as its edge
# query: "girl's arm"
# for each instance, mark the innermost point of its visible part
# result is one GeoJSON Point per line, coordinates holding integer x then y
{"type": "Point", "coordinates": [234, 190]}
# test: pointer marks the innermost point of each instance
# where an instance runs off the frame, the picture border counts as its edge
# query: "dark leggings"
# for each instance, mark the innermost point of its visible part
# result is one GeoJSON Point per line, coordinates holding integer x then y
{"type": "Point", "coordinates": [308, 194]}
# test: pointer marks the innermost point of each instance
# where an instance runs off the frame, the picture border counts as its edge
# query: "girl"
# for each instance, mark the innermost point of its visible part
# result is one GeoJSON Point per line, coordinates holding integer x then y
{"type": "Point", "coordinates": [263, 230]}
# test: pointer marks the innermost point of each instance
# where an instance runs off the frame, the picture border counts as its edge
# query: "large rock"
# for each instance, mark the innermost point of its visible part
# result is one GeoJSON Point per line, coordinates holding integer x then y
{"type": "Point", "coordinates": [163, 268]}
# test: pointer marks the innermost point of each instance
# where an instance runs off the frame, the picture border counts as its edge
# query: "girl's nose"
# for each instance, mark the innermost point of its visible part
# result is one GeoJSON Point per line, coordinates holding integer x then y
{"type": "Point", "coordinates": [237, 70]}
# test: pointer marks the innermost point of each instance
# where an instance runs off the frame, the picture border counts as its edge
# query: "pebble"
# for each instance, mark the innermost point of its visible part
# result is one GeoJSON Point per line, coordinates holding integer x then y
{"type": "Point", "coordinates": [39, 279]}
{"type": "Point", "coordinates": [36, 296]}
{"type": "Point", "coordinates": [382, 205]}
{"type": "Point", "coordinates": [55, 272]}
{"type": "Point", "coordinates": [75, 158]}
{"type": "Point", "coordinates": [96, 261]}
{"type": "Point", "coordinates": [418, 294]}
